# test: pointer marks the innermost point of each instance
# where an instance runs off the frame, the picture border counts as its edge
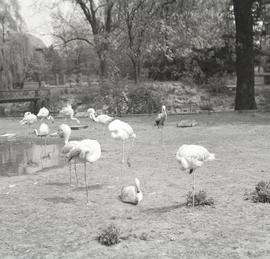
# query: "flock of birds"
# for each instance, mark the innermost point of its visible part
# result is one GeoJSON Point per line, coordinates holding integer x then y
{"type": "Point", "coordinates": [189, 157]}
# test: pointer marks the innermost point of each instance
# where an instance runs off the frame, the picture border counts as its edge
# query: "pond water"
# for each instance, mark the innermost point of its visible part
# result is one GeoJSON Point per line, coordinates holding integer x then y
{"type": "Point", "coordinates": [20, 157]}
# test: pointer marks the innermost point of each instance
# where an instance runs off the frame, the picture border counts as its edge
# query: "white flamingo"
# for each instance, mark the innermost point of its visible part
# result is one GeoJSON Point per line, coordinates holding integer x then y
{"type": "Point", "coordinates": [45, 114]}
{"type": "Point", "coordinates": [161, 119]}
{"type": "Point", "coordinates": [28, 119]}
{"type": "Point", "coordinates": [64, 131]}
{"type": "Point", "coordinates": [132, 194]}
{"type": "Point", "coordinates": [87, 150]}
{"type": "Point", "coordinates": [123, 131]}
{"type": "Point", "coordinates": [43, 132]}
{"type": "Point", "coordinates": [190, 157]}
{"type": "Point", "coordinates": [101, 119]}
{"type": "Point", "coordinates": [68, 112]}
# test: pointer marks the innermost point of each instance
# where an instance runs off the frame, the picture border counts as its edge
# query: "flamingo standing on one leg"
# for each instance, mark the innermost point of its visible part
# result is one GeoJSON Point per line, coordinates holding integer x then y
{"type": "Point", "coordinates": [101, 119]}
{"type": "Point", "coordinates": [161, 119]}
{"type": "Point", "coordinates": [45, 114]}
{"type": "Point", "coordinates": [190, 157]}
{"type": "Point", "coordinates": [122, 130]}
{"type": "Point", "coordinates": [43, 132]}
{"type": "Point", "coordinates": [68, 112]}
{"type": "Point", "coordinates": [28, 119]}
{"type": "Point", "coordinates": [64, 131]}
{"type": "Point", "coordinates": [87, 150]}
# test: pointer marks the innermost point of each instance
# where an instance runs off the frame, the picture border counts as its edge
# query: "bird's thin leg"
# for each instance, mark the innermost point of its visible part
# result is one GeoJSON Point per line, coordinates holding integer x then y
{"type": "Point", "coordinates": [193, 198]}
{"type": "Point", "coordinates": [162, 135]}
{"type": "Point", "coordinates": [75, 169]}
{"type": "Point", "coordinates": [45, 142]}
{"type": "Point", "coordinates": [86, 187]}
{"type": "Point", "coordinates": [123, 152]}
{"type": "Point", "coordinates": [104, 129]}
{"type": "Point", "coordinates": [69, 165]}
{"type": "Point", "coordinates": [41, 152]}
{"type": "Point", "coordinates": [129, 152]}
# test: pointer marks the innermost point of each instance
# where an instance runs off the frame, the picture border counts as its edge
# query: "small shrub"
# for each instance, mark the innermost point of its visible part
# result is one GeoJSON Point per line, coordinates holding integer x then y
{"type": "Point", "coordinates": [200, 199]}
{"type": "Point", "coordinates": [216, 84]}
{"type": "Point", "coordinates": [206, 106]}
{"type": "Point", "coordinates": [261, 193]}
{"type": "Point", "coordinates": [109, 236]}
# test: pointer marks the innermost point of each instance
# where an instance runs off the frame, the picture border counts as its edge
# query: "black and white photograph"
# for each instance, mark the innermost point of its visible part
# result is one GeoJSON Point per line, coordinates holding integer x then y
{"type": "Point", "coordinates": [134, 129]}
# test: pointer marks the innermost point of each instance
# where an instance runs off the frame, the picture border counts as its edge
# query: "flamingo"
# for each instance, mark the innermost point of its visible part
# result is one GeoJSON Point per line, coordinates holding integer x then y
{"type": "Point", "coordinates": [101, 119]}
{"type": "Point", "coordinates": [132, 194]}
{"type": "Point", "coordinates": [191, 157]}
{"type": "Point", "coordinates": [45, 114]}
{"type": "Point", "coordinates": [64, 131]}
{"type": "Point", "coordinates": [67, 111]}
{"type": "Point", "coordinates": [43, 131]}
{"type": "Point", "coordinates": [122, 130]}
{"type": "Point", "coordinates": [87, 150]}
{"type": "Point", "coordinates": [161, 119]}
{"type": "Point", "coordinates": [28, 119]}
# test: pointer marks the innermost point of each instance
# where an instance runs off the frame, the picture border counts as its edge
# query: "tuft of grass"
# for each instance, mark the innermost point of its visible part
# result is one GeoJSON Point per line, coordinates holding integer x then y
{"type": "Point", "coordinates": [261, 193]}
{"type": "Point", "coordinates": [200, 199]}
{"type": "Point", "coordinates": [109, 236]}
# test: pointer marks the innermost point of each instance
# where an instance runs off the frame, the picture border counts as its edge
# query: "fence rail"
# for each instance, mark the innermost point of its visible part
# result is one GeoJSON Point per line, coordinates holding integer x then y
{"type": "Point", "coordinates": [23, 95]}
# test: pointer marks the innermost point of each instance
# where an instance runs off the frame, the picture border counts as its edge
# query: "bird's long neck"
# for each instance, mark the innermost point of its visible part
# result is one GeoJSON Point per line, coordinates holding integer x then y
{"type": "Point", "coordinates": [50, 117]}
{"type": "Point", "coordinates": [137, 185]}
{"type": "Point", "coordinates": [36, 131]}
{"type": "Point", "coordinates": [93, 117]}
{"type": "Point", "coordinates": [164, 112]}
{"type": "Point", "coordinates": [66, 139]}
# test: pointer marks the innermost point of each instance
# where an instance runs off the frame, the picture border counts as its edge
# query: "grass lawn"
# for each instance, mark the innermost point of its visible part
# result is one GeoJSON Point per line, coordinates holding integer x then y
{"type": "Point", "coordinates": [43, 217]}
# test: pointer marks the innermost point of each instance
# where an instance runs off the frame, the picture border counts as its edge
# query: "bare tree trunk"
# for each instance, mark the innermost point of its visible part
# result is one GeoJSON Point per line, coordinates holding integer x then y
{"type": "Point", "coordinates": [245, 92]}
{"type": "Point", "coordinates": [136, 69]}
{"type": "Point", "coordinates": [102, 64]}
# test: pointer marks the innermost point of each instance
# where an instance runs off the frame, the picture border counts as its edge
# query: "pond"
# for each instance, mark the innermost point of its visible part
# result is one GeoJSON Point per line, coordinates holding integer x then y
{"type": "Point", "coordinates": [22, 157]}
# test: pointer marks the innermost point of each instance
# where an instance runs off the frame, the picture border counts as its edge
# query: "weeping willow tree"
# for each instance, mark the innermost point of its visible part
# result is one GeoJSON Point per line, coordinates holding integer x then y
{"type": "Point", "coordinates": [14, 50]}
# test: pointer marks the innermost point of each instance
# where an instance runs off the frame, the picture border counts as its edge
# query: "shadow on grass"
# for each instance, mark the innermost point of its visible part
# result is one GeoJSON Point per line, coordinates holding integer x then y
{"type": "Point", "coordinates": [90, 187]}
{"type": "Point", "coordinates": [57, 183]}
{"type": "Point", "coordinates": [164, 209]}
{"type": "Point", "coordinates": [57, 199]}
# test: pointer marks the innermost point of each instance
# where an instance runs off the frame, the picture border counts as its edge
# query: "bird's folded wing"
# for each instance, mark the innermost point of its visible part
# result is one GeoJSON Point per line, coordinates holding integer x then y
{"type": "Point", "coordinates": [74, 152]}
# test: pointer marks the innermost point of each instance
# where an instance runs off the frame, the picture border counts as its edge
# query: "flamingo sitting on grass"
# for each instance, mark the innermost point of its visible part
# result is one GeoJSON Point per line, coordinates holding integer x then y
{"type": "Point", "coordinates": [132, 194]}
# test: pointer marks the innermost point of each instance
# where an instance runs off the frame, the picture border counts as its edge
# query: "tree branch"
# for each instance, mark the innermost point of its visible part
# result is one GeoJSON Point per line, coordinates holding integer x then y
{"type": "Point", "coordinates": [77, 38]}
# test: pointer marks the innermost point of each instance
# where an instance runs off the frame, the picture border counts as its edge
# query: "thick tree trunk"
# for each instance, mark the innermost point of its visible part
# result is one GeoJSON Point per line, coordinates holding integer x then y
{"type": "Point", "coordinates": [136, 69]}
{"type": "Point", "coordinates": [245, 92]}
{"type": "Point", "coordinates": [102, 63]}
